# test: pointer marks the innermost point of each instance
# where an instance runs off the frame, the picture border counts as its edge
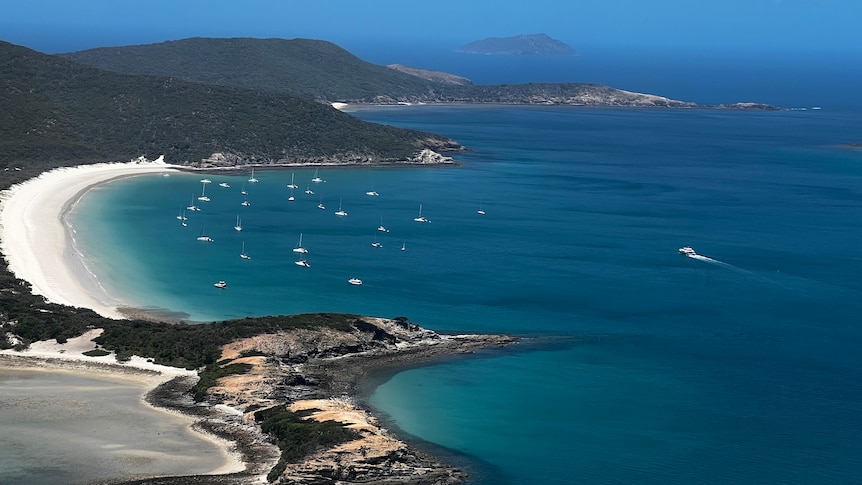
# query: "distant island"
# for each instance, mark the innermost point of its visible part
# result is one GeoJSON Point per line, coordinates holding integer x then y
{"type": "Point", "coordinates": [523, 45]}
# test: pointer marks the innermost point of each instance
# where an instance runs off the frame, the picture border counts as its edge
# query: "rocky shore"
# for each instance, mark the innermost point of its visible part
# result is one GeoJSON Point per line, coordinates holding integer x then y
{"type": "Point", "coordinates": [320, 373]}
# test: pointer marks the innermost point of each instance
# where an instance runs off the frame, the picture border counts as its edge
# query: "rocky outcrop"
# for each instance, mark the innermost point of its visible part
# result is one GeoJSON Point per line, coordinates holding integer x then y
{"type": "Point", "coordinates": [318, 370]}
{"type": "Point", "coordinates": [424, 156]}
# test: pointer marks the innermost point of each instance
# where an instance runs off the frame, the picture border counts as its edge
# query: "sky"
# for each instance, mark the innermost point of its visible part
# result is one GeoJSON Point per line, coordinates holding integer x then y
{"type": "Point", "coordinates": [768, 26]}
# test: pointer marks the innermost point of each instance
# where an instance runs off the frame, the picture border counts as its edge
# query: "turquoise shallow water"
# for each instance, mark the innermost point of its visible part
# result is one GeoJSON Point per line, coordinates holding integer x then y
{"type": "Point", "coordinates": [648, 366]}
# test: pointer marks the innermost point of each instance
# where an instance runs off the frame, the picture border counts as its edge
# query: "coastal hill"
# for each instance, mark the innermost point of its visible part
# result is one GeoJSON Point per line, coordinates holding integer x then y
{"type": "Point", "coordinates": [322, 71]}
{"type": "Point", "coordinates": [56, 110]}
{"type": "Point", "coordinates": [435, 76]}
{"type": "Point", "coordinates": [524, 44]}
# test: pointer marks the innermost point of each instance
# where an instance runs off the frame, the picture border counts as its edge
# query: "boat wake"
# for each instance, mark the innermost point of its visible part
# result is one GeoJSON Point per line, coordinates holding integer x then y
{"type": "Point", "coordinates": [707, 259]}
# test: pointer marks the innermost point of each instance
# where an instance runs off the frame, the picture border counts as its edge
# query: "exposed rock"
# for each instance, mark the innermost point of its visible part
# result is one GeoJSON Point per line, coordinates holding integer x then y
{"type": "Point", "coordinates": [319, 369]}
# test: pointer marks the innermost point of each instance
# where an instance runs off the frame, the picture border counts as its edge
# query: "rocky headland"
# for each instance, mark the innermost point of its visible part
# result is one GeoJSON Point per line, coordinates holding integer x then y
{"type": "Point", "coordinates": [317, 374]}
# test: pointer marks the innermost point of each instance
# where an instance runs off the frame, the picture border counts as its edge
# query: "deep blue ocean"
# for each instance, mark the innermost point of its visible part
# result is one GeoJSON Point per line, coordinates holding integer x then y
{"type": "Point", "coordinates": [639, 365]}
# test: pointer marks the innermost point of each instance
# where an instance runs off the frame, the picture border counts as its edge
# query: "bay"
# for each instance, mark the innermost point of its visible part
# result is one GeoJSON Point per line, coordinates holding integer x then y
{"type": "Point", "coordinates": [639, 364]}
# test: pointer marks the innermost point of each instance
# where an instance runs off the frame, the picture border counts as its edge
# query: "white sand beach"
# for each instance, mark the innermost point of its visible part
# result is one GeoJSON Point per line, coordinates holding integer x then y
{"type": "Point", "coordinates": [36, 242]}
{"type": "Point", "coordinates": [133, 437]}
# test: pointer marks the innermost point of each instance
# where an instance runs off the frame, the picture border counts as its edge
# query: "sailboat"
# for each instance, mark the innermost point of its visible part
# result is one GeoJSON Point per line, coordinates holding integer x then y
{"type": "Point", "coordinates": [308, 190]}
{"type": "Point", "coordinates": [291, 198]}
{"type": "Point", "coordinates": [320, 205]}
{"type": "Point", "coordinates": [238, 226]}
{"type": "Point", "coordinates": [242, 254]}
{"type": "Point", "coordinates": [381, 227]}
{"type": "Point", "coordinates": [224, 185]}
{"type": "Point", "coordinates": [481, 211]}
{"type": "Point", "coordinates": [302, 262]}
{"type": "Point", "coordinates": [206, 181]}
{"type": "Point", "coordinates": [243, 191]}
{"type": "Point", "coordinates": [192, 206]}
{"type": "Point", "coordinates": [291, 185]}
{"type": "Point", "coordinates": [420, 217]}
{"type": "Point", "coordinates": [245, 203]}
{"type": "Point", "coordinates": [376, 244]}
{"type": "Point", "coordinates": [252, 179]}
{"type": "Point", "coordinates": [203, 196]}
{"type": "Point", "coordinates": [182, 215]}
{"type": "Point", "coordinates": [203, 237]}
{"type": "Point", "coordinates": [404, 246]}
{"type": "Point", "coordinates": [340, 212]}
{"type": "Point", "coordinates": [299, 248]}
{"type": "Point", "coordinates": [372, 193]}
{"type": "Point", "coordinates": [316, 179]}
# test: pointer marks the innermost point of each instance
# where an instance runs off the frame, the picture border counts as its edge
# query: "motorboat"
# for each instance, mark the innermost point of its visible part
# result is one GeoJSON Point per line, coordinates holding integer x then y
{"type": "Point", "coordinates": [355, 281]}
{"type": "Point", "coordinates": [687, 251]}
{"type": "Point", "coordinates": [220, 284]}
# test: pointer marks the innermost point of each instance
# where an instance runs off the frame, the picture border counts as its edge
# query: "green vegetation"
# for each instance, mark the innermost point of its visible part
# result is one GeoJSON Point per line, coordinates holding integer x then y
{"type": "Point", "coordinates": [311, 69]}
{"type": "Point", "coordinates": [315, 69]}
{"type": "Point", "coordinates": [176, 344]}
{"type": "Point", "coordinates": [57, 112]}
{"type": "Point", "coordinates": [214, 372]}
{"type": "Point", "coordinates": [297, 437]}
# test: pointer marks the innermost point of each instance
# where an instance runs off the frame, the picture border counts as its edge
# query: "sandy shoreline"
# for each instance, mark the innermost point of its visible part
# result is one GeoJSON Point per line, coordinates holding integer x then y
{"type": "Point", "coordinates": [36, 242]}
{"type": "Point", "coordinates": [69, 358]}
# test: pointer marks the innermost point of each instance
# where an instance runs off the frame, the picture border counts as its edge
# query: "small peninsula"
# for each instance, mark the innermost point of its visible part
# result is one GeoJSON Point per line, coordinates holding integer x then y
{"type": "Point", "coordinates": [519, 45]}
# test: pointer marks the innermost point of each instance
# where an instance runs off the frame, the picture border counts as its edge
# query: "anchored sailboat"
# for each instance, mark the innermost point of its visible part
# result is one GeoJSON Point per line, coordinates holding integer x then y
{"type": "Point", "coordinates": [340, 212]}
{"type": "Point", "coordinates": [420, 217]}
{"type": "Point", "coordinates": [299, 248]}
{"type": "Point", "coordinates": [243, 254]}
{"type": "Point", "coordinates": [203, 196]}
{"type": "Point", "coordinates": [238, 226]}
{"type": "Point", "coordinates": [252, 179]}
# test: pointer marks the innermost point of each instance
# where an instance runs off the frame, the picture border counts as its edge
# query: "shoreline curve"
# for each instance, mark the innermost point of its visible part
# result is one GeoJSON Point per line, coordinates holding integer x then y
{"type": "Point", "coordinates": [33, 228]}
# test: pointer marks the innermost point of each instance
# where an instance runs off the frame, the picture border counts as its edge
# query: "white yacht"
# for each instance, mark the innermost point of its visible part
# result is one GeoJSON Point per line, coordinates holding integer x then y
{"type": "Point", "coordinates": [308, 190]}
{"type": "Point", "coordinates": [291, 185]}
{"type": "Point", "coordinates": [420, 217]}
{"type": "Point", "coordinates": [243, 254]}
{"type": "Point", "coordinates": [238, 226]}
{"type": "Point", "coordinates": [404, 246]}
{"type": "Point", "coordinates": [182, 215]}
{"type": "Point", "coordinates": [206, 181]}
{"type": "Point", "coordinates": [220, 284]}
{"type": "Point", "coordinates": [224, 184]}
{"type": "Point", "coordinates": [299, 248]}
{"type": "Point", "coordinates": [687, 251]}
{"type": "Point", "coordinates": [355, 281]}
{"type": "Point", "coordinates": [203, 196]}
{"type": "Point", "coordinates": [291, 198]}
{"type": "Point", "coordinates": [381, 227]}
{"type": "Point", "coordinates": [252, 179]}
{"type": "Point", "coordinates": [481, 211]}
{"type": "Point", "coordinates": [320, 205]}
{"type": "Point", "coordinates": [302, 262]}
{"type": "Point", "coordinates": [192, 207]}
{"type": "Point", "coordinates": [376, 244]}
{"type": "Point", "coordinates": [372, 193]}
{"type": "Point", "coordinates": [316, 179]}
{"type": "Point", "coordinates": [340, 211]}
{"type": "Point", "coordinates": [243, 191]}
{"type": "Point", "coordinates": [245, 203]}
